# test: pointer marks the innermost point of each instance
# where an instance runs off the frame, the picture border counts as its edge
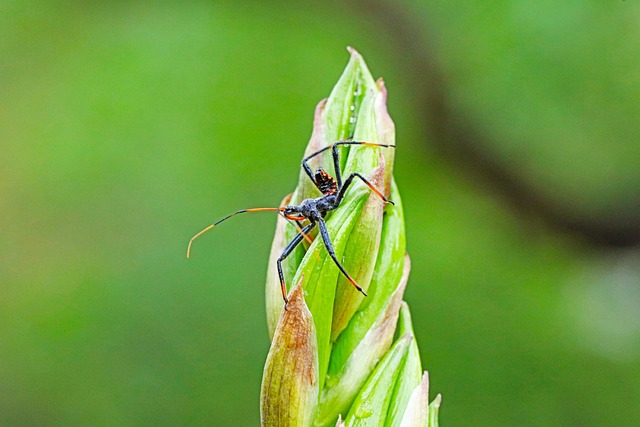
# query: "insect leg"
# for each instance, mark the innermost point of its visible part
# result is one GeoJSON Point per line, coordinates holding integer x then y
{"type": "Point", "coordinates": [332, 254]}
{"type": "Point", "coordinates": [368, 144]}
{"type": "Point", "coordinates": [336, 163]}
{"type": "Point", "coordinates": [287, 251]}
{"type": "Point", "coordinates": [336, 157]}
{"type": "Point", "coordinates": [297, 224]}
{"type": "Point", "coordinates": [336, 160]}
{"type": "Point", "coordinates": [348, 182]}
{"type": "Point", "coordinates": [307, 168]}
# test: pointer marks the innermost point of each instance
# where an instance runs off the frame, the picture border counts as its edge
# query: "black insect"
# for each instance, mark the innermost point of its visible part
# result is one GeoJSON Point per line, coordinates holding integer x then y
{"type": "Point", "coordinates": [314, 210]}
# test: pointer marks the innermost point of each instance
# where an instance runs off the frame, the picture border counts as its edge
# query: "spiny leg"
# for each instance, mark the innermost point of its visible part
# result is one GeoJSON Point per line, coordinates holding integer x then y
{"type": "Point", "coordinates": [348, 182]}
{"type": "Point", "coordinates": [336, 157]}
{"type": "Point", "coordinates": [287, 251]}
{"type": "Point", "coordinates": [327, 243]}
{"type": "Point", "coordinates": [298, 226]}
{"type": "Point", "coordinates": [336, 164]}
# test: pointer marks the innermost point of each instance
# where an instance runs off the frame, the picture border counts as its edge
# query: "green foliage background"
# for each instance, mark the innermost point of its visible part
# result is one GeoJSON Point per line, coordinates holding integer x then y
{"type": "Point", "coordinates": [126, 127]}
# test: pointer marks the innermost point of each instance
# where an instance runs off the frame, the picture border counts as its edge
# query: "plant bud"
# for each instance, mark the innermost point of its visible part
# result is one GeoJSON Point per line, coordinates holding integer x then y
{"type": "Point", "coordinates": [290, 381]}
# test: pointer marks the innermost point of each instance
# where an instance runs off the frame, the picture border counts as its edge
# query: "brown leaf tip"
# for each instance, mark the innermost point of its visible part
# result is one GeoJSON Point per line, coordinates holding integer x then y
{"type": "Point", "coordinates": [296, 323]}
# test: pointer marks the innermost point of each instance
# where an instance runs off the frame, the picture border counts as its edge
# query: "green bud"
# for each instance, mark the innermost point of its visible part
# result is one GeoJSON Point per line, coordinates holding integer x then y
{"type": "Point", "coordinates": [346, 338]}
{"type": "Point", "coordinates": [290, 381]}
{"type": "Point", "coordinates": [417, 411]}
{"type": "Point", "coordinates": [351, 110]}
{"type": "Point", "coordinates": [434, 409]}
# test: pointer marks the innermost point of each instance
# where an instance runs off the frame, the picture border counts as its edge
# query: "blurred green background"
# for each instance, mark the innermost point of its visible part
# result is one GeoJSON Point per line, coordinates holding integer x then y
{"type": "Point", "coordinates": [125, 127]}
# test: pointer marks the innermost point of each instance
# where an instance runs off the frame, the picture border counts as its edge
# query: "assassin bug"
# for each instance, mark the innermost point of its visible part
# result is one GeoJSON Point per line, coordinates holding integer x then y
{"type": "Point", "coordinates": [314, 210]}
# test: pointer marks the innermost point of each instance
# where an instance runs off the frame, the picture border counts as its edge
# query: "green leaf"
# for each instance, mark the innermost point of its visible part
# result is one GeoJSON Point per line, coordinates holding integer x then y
{"type": "Point", "coordinates": [388, 271]}
{"type": "Point", "coordinates": [318, 274]}
{"type": "Point", "coordinates": [410, 374]}
{"type": "Point", "coordinates": [371, 405]}
{"type": "Point", "coordinates": [417, 410]}
{"type": "Point", "coordinates": [341, 387]}
{"type": "Point", "coordinates": [370, 331]}
{"type": "Point", "coordinates": [434, 409]}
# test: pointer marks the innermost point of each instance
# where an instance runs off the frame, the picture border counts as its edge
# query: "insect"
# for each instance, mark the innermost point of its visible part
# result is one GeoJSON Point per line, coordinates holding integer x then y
{"type": "Point", "coordinates": [314, 210]}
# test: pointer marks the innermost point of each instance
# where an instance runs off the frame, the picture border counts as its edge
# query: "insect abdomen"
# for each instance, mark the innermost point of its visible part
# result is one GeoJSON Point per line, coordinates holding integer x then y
{"type": "Point", "coordinates": [325, 182]}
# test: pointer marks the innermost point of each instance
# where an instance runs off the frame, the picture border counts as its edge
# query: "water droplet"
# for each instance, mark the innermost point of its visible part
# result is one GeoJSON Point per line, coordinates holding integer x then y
{"type": "Point", "coordinates": [363, 410]}
{"type": "Point", "coordinates": [352, 119]}
{"type": "Point", "coordinates": [331, 381]}
{"type": "Point", "coordinates": [352, 108]}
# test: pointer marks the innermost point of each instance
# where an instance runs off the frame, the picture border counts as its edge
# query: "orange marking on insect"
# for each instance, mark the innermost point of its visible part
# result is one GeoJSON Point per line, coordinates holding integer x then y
{"type": "Point", "coordinates": [307, 238]}
{"type": "Point", "coordinates": [326, 183]}
{"type": "Point", "coordinates": [262, 209]}
{"type": "Point", "coordinates": [358, 287]}
{"type": "Point", "coordinates": [375, 190]}
{"type": "Point", "coordinates": [295, 224]}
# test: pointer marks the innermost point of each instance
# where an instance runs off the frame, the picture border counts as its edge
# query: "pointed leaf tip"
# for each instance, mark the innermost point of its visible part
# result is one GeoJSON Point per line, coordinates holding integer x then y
{"type": "Point", "coordinates": [290, 380]}
{"type": "Point", "coordinates": [417, 412]}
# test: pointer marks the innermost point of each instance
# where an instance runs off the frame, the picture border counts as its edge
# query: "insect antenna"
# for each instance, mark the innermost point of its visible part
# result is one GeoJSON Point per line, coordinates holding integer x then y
{"type": "Point", "coordinates": [200, 233]}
